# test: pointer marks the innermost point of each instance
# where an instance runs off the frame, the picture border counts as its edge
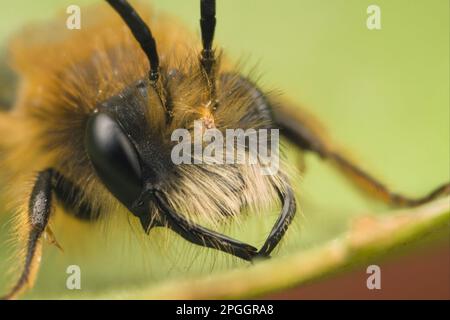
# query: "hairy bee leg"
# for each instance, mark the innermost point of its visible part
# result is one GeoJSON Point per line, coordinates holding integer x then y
{"type": "Point", "coordinates": [377, 188]}
{"type": "Point", "coordinates": [308, 139]}
{"type": "Point", "coordinates": [285, 218]}
{"type": "Point", "coordinates": [39, 209]}
{"type": "Point", "coordinates": [202, 236]}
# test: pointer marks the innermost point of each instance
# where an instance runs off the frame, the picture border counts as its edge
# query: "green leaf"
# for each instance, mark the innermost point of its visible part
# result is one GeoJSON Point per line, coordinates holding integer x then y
{"type": "Point", "coordinates": [367, 237]}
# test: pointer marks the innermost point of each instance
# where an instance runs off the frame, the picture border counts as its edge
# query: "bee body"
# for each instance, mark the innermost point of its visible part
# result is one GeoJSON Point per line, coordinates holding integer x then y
{"type": "Point", "coordinates": [93, 125]}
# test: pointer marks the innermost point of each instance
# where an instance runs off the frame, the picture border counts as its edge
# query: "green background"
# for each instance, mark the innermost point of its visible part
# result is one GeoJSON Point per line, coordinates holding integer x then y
{"type": "Point", "coordinates": [383, 94]}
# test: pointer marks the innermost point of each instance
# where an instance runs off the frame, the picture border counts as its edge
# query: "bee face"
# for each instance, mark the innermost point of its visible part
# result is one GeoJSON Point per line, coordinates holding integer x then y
{"type": "Point", "coordinates": [131, 152]}
{"type": "Point", "coordinates": [126, 154]}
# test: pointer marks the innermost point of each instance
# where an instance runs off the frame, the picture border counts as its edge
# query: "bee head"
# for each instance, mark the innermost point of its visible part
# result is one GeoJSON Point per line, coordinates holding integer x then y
{"type": "Point", "coordinates": [130, 166]}
{"type": "Point", "coordinates": [128, 139]}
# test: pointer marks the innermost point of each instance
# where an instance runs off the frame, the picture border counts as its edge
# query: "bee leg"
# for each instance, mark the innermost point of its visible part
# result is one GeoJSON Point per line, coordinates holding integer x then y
{"type": "Point", "coordinates": [285, 218]}
{"type": "Point", "coordinates": [202, 236]}
{"type": "Point", "coordinates": [71, 197]}
{"type": "Point", "coordinates": [39, 209]}
{"type": "Point", "coordinates": [299, 130]}
{"type": "Point", "coordinates": [305, 131]}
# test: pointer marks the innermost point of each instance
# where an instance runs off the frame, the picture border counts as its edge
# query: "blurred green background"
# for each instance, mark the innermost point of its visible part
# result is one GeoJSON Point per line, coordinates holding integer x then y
{"type": "Point", "coordinates": [383, 94]}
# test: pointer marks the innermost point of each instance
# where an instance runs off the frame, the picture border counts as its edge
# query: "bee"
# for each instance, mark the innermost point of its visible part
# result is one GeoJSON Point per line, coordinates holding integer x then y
{"type": "Point", "coordinates": [94, 116]}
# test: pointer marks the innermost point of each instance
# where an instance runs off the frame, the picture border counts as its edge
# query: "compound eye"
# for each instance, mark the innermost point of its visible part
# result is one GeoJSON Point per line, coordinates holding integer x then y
{"type": "Point", "coordinates": [114, 158]}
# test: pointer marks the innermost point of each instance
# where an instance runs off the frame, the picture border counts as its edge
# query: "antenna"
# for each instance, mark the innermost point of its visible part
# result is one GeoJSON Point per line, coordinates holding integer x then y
{"type": "Point", "coordinates": [207, 26]}
{"type": "Point", "coordinates": [141, 32]}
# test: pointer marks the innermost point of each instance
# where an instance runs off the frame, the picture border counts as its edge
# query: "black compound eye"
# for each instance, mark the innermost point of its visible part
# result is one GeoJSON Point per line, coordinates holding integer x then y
{"type": "Point", "coordinates": [114, 158]}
